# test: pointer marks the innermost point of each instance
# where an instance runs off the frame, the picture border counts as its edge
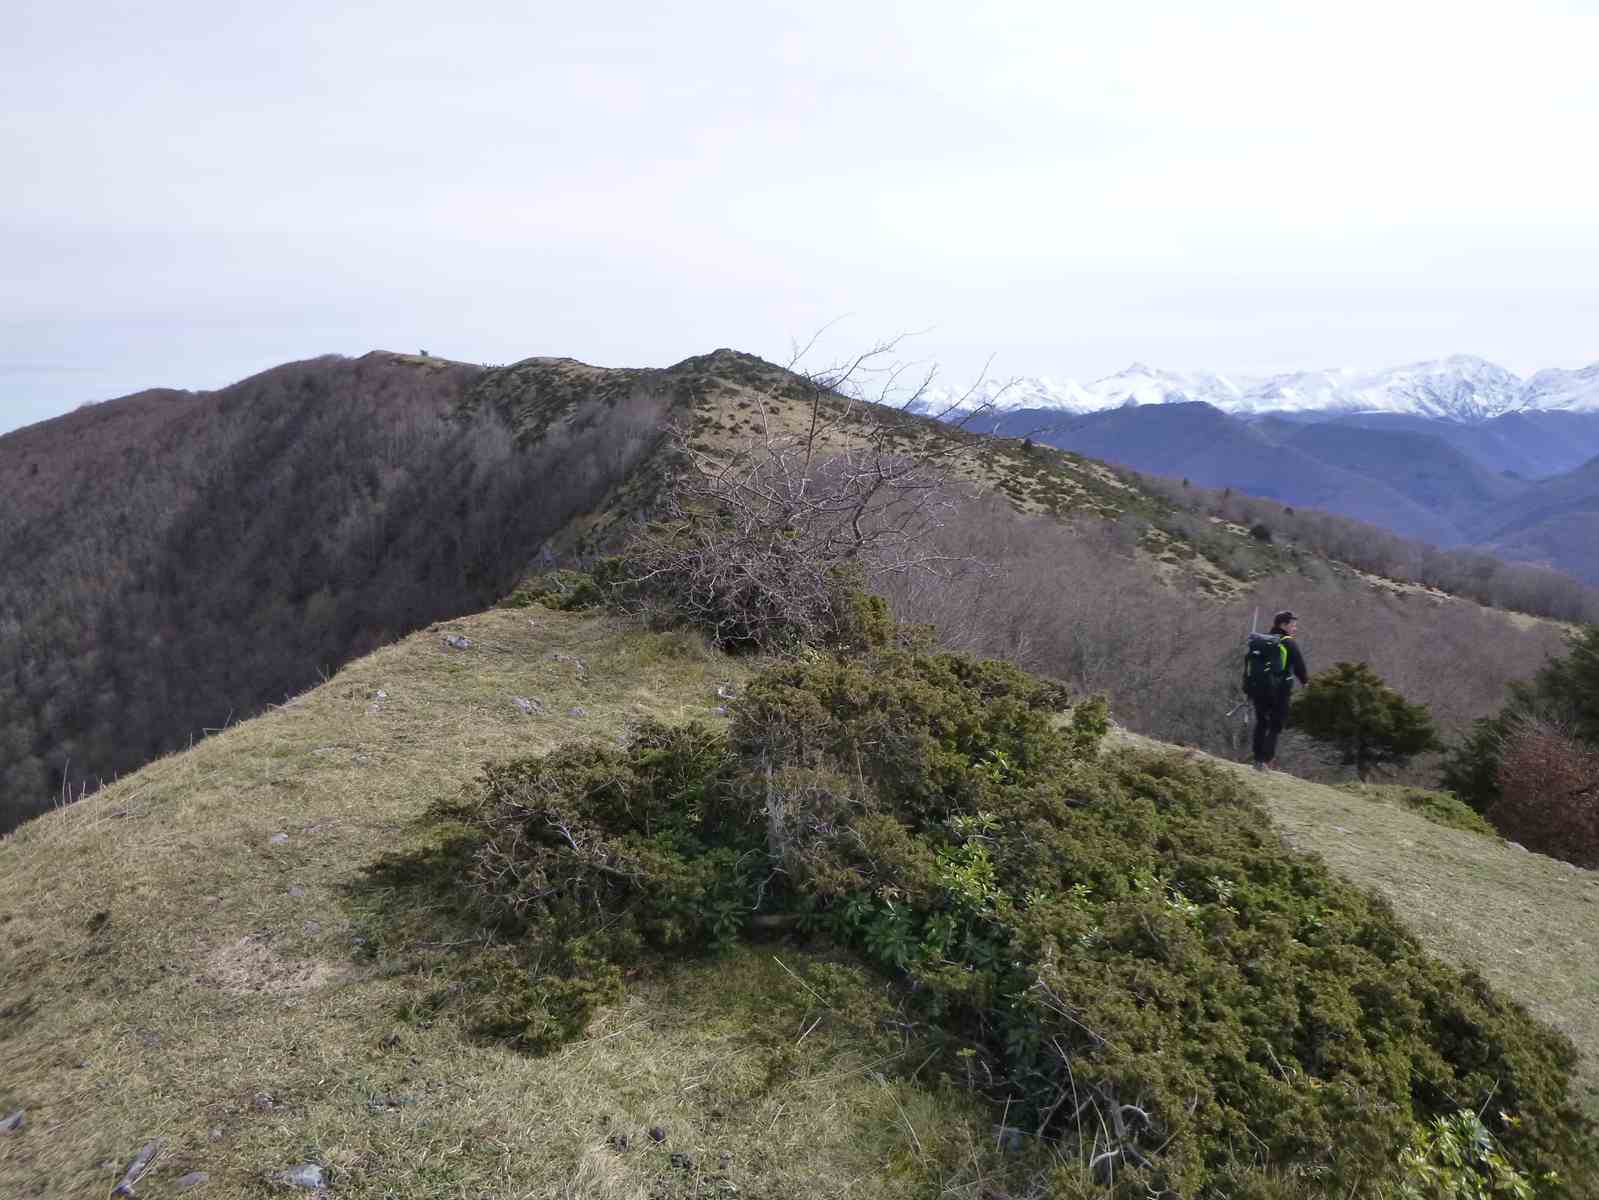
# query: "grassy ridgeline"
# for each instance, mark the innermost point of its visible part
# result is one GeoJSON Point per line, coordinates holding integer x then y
{"type": "Point", "coordinates": [1114, 951]}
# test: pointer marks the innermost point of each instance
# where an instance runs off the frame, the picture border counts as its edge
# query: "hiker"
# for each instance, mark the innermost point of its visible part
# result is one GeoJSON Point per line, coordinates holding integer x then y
{"type": "Point", "coordinates": [1273, 664]}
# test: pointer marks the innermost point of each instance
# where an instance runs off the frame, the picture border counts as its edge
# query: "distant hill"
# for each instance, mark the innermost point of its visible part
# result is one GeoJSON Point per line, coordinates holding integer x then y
{"type": "Point", "coordinates": [1448, 483]}
{"type": "Point", "coordinates": [1555, 520]}
{"type": "Point", "coordinates": [1531, 445]}
{"type": "Point", "coordinates": [1418, 465]}
{"type": "Point", "coordinates": [1200, 443]}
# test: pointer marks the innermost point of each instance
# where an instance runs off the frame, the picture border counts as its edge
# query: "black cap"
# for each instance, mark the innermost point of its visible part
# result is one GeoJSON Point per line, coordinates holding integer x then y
{"type": "Point", "coordinates": [1284, 617]}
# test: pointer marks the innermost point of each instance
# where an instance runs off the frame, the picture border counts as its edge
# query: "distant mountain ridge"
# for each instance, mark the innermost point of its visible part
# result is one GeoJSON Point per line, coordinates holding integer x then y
{"type": "Point", "coordinates": [1461, 388]}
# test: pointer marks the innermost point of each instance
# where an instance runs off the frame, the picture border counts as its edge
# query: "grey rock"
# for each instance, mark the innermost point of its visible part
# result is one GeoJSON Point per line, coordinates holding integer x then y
{"type": "Point", "coordinates": [380, 694]}
{"type": "Point", "coordinates": [657, 1134]}
{"type": "Point", "coordinates": [726, 691]}
{"type": "Point", "coordinates": [304, 1175]}
{"type": "Point", "coordinates": [262, 1102]}
{"type": "Point", "coordinates": [528, 706]}
{"type": "Point", "coordinates": [456, 641]}
{"type": "Point", "coordinates": [14, 1122]}
{"type": "Point", "coordinates": [721, 710]}
{"type": "Point", "coordinates": [296, 892]}
{"type": "Point", "coordinates": [278, 839]}
{"type": "Point", "coordinates": [311, 928]}
{"type": "Point", "coordinates": [216, 1133]}
{"type": "Point", "coordinates": [192, 1180]}
{"type": "Point", "coordinates": [577, 710]}
{"type": "Point", "coordinates": [1009, 1137]}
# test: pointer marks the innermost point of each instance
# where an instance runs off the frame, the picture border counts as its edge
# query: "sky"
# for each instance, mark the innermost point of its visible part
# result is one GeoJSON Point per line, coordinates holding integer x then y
{"type": "Point", "coordinates": [195, 192]}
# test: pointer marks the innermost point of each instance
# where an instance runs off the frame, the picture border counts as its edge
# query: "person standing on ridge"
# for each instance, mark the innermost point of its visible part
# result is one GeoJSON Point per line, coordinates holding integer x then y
{"type": "Point", "coordinates": [1273, 664]}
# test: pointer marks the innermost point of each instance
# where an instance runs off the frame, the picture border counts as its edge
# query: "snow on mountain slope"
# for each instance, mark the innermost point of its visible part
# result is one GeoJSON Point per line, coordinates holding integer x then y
{"type": "Point", "coordinates": [1460, 388]}
{"type": "Point", "coordinates": [1566, 391]}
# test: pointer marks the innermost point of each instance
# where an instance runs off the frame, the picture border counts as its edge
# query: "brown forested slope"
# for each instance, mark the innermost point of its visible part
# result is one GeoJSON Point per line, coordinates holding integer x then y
{"type": "Point", "coordinates": [174, 559]}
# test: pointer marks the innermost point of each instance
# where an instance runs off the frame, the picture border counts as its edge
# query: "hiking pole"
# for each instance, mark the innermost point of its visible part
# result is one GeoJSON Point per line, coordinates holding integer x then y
{"type": "Point", "coordinates": [1254, 623]}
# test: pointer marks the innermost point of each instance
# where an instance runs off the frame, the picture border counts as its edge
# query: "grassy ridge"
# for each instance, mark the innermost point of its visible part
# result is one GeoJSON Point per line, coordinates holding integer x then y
{"type": "Point", "coordinates": [167, 971]}
{"type": "Point", "coordinates": [226, 968]}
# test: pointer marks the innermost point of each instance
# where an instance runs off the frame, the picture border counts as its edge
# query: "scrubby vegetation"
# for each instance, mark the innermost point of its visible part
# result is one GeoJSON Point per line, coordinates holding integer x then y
{"type": "Point", "coordinates": [1549, 794]}
{"type": "Point", "coordinates": [1533, 768]}
{"type": "Point", "coordinates": [1114, 951]}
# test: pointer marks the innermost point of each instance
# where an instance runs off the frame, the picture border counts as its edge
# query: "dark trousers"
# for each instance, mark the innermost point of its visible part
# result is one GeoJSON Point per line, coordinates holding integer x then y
{"type": "Point", "coordinates": [1271, 713]}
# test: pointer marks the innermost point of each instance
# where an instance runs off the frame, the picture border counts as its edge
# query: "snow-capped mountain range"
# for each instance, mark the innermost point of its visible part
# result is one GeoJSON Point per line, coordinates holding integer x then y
{"type": "Point", "coordinates": [1459, 388]}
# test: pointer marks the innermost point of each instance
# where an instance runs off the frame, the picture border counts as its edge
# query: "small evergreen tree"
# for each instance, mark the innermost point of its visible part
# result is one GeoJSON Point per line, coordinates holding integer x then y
{"type": "Point", "coordinates": [1371, 725]}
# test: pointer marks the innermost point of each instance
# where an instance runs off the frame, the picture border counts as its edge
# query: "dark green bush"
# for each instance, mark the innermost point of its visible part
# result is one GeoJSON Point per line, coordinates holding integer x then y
{"type": "Point", "coordinates": [1371, 725]}
{"type": "Point", "coordinates": [1114, 946]}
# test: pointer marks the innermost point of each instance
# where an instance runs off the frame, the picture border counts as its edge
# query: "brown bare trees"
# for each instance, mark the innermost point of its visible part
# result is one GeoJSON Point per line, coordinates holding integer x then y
{"type": "Point", "coordinates": [762, 540]}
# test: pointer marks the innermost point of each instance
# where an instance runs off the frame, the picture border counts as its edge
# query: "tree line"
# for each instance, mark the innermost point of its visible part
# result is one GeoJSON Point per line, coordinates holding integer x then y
{"type": "Point", "coordinates": [1531, 588]}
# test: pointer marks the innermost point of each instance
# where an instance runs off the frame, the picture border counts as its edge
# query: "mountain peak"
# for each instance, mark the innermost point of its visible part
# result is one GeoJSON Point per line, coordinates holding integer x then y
{"type": "Point", "coordinates": [1461, 387]}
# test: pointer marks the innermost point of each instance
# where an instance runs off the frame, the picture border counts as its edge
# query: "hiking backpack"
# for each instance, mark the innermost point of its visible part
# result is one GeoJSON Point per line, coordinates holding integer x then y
{"type": "Point", "coordinates": [1265, 665]}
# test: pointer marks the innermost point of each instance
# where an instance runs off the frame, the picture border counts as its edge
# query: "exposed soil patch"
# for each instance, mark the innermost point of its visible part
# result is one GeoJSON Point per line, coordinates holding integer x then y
{"type": "Point", "coordinates": [249, 967]}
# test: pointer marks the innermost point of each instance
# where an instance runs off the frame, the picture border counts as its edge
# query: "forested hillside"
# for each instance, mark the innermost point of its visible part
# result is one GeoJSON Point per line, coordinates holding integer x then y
{"type": "Point", "coordinates": [174, 561]}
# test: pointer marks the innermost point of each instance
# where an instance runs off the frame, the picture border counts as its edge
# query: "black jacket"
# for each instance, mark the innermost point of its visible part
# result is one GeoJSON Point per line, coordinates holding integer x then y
{"type": "Point", "coordinates": [1296, 661]}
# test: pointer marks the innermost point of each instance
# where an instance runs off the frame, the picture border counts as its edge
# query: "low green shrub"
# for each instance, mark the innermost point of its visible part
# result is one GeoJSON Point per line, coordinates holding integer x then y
{"type": "Point", "coordinates": [563, 590]}
{"type": "Point", "coordinates": [1114, 947]}
{"type": "Point", "coordinates": [1441, 808]}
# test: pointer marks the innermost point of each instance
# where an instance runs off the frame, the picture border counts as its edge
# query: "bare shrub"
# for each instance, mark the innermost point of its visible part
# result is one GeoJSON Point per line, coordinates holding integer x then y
{"type": "Point", "coordinates": [763, 542]}
{"type": "Point", "coordinates": [1549, 794]}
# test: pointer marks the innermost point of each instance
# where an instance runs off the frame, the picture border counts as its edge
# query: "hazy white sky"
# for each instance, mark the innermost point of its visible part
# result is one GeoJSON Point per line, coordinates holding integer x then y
{"type": "Point", "coordinates": [197, 191]}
